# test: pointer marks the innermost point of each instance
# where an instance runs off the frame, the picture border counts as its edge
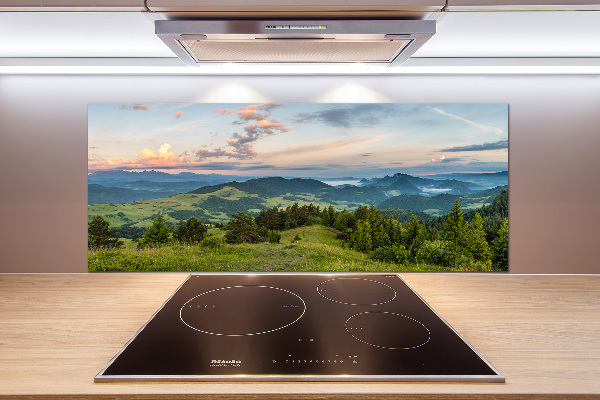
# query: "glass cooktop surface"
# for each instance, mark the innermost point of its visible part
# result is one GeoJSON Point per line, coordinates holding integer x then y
{"type": "Point", "coordinates": [311, 327]}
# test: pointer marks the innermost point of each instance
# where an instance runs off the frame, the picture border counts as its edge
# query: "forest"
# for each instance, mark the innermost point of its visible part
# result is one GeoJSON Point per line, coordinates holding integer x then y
{"type": "Point", "coordinates": [365, 238]}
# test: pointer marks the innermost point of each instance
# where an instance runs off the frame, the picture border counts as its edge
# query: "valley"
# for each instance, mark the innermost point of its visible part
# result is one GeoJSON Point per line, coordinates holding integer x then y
{"type": "Point", "coordinates": [214, 204]}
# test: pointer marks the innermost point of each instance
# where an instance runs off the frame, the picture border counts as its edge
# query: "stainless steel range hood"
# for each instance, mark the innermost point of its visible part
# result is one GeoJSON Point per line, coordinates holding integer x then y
{"type": "Point", "coordinates": [388, 42]}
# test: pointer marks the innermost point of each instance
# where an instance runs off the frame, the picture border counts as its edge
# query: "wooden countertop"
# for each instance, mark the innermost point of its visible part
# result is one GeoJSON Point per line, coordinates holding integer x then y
{"type": "Point", "coordinates": [542, 332]}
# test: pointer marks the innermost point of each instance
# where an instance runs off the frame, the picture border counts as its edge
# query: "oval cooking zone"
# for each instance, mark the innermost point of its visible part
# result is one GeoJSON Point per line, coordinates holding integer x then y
{"type": "Point", "coordinates": [356, 291]}
{"type": "Point", "coordinates": [388, 330]}
{"type": "Point", "coordinates": [242, 310]}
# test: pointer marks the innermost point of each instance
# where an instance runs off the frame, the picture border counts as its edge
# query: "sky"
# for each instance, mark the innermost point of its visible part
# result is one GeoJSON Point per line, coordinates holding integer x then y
{"type": "Point", "coordinates": [321, 140]}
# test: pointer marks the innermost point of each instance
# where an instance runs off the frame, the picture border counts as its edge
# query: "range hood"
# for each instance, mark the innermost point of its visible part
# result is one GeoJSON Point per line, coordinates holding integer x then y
{"type": "Point", "coordinates": [388, 42]}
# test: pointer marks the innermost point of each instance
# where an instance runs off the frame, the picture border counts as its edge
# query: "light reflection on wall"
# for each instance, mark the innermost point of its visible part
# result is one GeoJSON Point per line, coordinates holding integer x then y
{"type": "Point", "coordinates": [232, 92]}
{"type": "Point", "coordinates": [352, 93]}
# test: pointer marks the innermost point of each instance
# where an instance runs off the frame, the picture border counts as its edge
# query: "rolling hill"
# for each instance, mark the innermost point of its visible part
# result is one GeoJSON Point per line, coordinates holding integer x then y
{"type": "Point", "coordinates": [216, 203]}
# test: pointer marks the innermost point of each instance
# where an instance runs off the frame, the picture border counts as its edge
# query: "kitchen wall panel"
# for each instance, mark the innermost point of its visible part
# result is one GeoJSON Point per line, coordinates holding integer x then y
{"type": "Point", "coordinates": [554, 151]}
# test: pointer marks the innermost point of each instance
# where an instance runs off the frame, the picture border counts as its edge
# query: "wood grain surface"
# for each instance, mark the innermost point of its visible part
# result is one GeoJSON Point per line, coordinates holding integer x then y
{"type": "Point", "coordinates": [542, 332]}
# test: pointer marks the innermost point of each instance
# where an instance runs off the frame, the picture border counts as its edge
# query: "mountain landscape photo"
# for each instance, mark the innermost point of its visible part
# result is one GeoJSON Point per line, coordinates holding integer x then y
{"type": "Point", "coordinates": [287, 187]}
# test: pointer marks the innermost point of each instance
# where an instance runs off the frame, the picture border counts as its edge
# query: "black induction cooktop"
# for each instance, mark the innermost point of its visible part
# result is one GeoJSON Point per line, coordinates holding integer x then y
{"type": "Point", "coordinates": [311, 327]}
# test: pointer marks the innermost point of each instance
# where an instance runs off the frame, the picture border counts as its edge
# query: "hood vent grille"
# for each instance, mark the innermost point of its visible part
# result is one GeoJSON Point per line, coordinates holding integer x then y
{"type": "Point", "coordinates": [295, 50]}
{"type": "Point", "coordinates": [389, 42]}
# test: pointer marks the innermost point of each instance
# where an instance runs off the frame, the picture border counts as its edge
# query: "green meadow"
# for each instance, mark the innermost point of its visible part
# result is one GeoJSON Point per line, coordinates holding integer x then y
{"type": "Point", "coordinates": [317, 250]}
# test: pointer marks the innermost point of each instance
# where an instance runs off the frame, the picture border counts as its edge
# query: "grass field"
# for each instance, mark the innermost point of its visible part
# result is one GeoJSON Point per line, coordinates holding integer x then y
{"type": "Point", "coordinates": [318, 250]}
{"type": "Point", "coordinates": [140, 213]}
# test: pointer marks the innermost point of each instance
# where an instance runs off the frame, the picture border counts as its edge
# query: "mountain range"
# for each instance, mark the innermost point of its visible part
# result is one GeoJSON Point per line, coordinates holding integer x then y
{"type": "Point", "coordinates": [216, 203]}
{"type": "Point", "coordinates": [124, 186]}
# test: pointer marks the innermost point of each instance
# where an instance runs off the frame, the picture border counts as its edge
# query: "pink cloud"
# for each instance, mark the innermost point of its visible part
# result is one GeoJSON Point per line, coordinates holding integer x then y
{"type": "Point", "coordinates": [142, 107]}
{"type": "Point", "coordinates": [178, 114]}
{"type": "Point", "coordinates": [274, 124]}
{"type": "Point", "coordinates": [255, 121]}
{"type": "Point", "coordinates": [249, 114]}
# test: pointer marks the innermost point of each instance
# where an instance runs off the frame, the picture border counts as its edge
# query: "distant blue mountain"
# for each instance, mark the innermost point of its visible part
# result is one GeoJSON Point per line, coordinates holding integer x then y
{"type": "Point", "coordinates": [126, 187]}
{"type": "Point", "coordinates": [409, 184]}
{"type": "Point", "coordinates": [487, 180]}
{"type": "Point", "coordinates": [98, 194]}
{"type": "Point", "coordinates": [118, 177]}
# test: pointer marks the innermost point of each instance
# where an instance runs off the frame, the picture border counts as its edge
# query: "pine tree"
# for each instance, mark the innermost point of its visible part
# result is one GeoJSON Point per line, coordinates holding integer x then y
{"type": "Point", "coordinates": [361, 213]}
{"type": "Point", "coordinates": [345, 222]}
{"type": "Point", "coordinates": [292, 216]}
{"type": "Point", "coordinates": [191, 231]}
{"type": "Point", "coordinates": [330, 215]}
{"type": "Point", "coordinates": [393, 227]}
{"type": "Point", "coordinates": [327, 217]}
{"type": "Point", "coordinates": [362, 237]}
{"type": "Point", "coordinates": [453, 234]}
{"type": "Point", "coordinates": [241, 229]}
{"type": "Point", "coordinates": [270, 219]}
{"type": "Point", "coordinates": [454, 226]}
{"type": "Point", "coordinates": [157, 234]}
{"type": "Point", "coordinates": [274, 220]}
{"type": "Point", "coordinates": [100, 236]}
{"type": "Point", "coordinates": [414, 236]}
{"type": "Point", "coordinates": [500, 248]}
{"type": "Point", "coordinates": [379, 236]}
{"type": "Point", "coordinates": [476, 244]}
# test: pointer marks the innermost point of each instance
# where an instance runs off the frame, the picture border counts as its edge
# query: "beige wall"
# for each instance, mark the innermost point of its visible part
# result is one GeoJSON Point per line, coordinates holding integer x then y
{"type": "Point", "coordinates": [554, 153]}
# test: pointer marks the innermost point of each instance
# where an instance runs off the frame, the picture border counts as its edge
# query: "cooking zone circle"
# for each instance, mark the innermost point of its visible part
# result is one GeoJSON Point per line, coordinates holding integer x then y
{"type": "Point", "coordinates": [388, 330]}
{"type": "Point", "coordinates": [242, 310]}
{"type": "Point", "coordinates": [356, 291]}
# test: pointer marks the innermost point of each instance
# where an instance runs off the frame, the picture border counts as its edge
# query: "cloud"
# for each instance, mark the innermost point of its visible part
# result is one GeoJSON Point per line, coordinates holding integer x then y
{"type": "Point", "coordinates": [368, 114]}
{"type": "Point", "coordinates": [252, 132]}
{"type": "Point", "coordinates": [233, 166]}
{"type": "Point", "coordinates": [499, 145]}
{"type": "Point", "coordinates": [468, 166]}
{"type": "Point", "coordinates": [225, 111]}
{"type": "Point", "coordinates": [257, 125]}
{"type": "Point", "coordinates": [445, 160]}
{"type": "Point", "coordinates": [242, 146]}
{"type": "Point", "coordinates": [249, 113]}
{"type": "Point", "coordinates": [254, 120]}
{"type": "Point", "coordinates": [164, 154]}
{"type": "Point", "coordinates": [147, 154]}
{"type": "Point", "coordinates": [486, 128]}
{"type": "Point", "coordinates": [328, 145]}
{"type": "Point", "coordinates": [95, 159]}
{"type": "Point", "coordinates": [146, 158]}
{"type": "Point", "coordinates": [142, 107]}
{"type": "Point", "coordinates": [164, 151]}
{"type": "Point", "coordinates": [268, 127]}
{"type": "Point", "coordinates": [203, 154]}
{"type": "Point", "coordinates": [203, 166]}
{"type": "Point", "coordinates": [303, 168]}
{"type": "Point", "coordinates": [257, 167]}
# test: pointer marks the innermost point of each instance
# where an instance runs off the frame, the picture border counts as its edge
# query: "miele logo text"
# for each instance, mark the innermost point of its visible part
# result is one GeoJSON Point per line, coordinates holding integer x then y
{"type": "Point", "coordinates": [225, 363]}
